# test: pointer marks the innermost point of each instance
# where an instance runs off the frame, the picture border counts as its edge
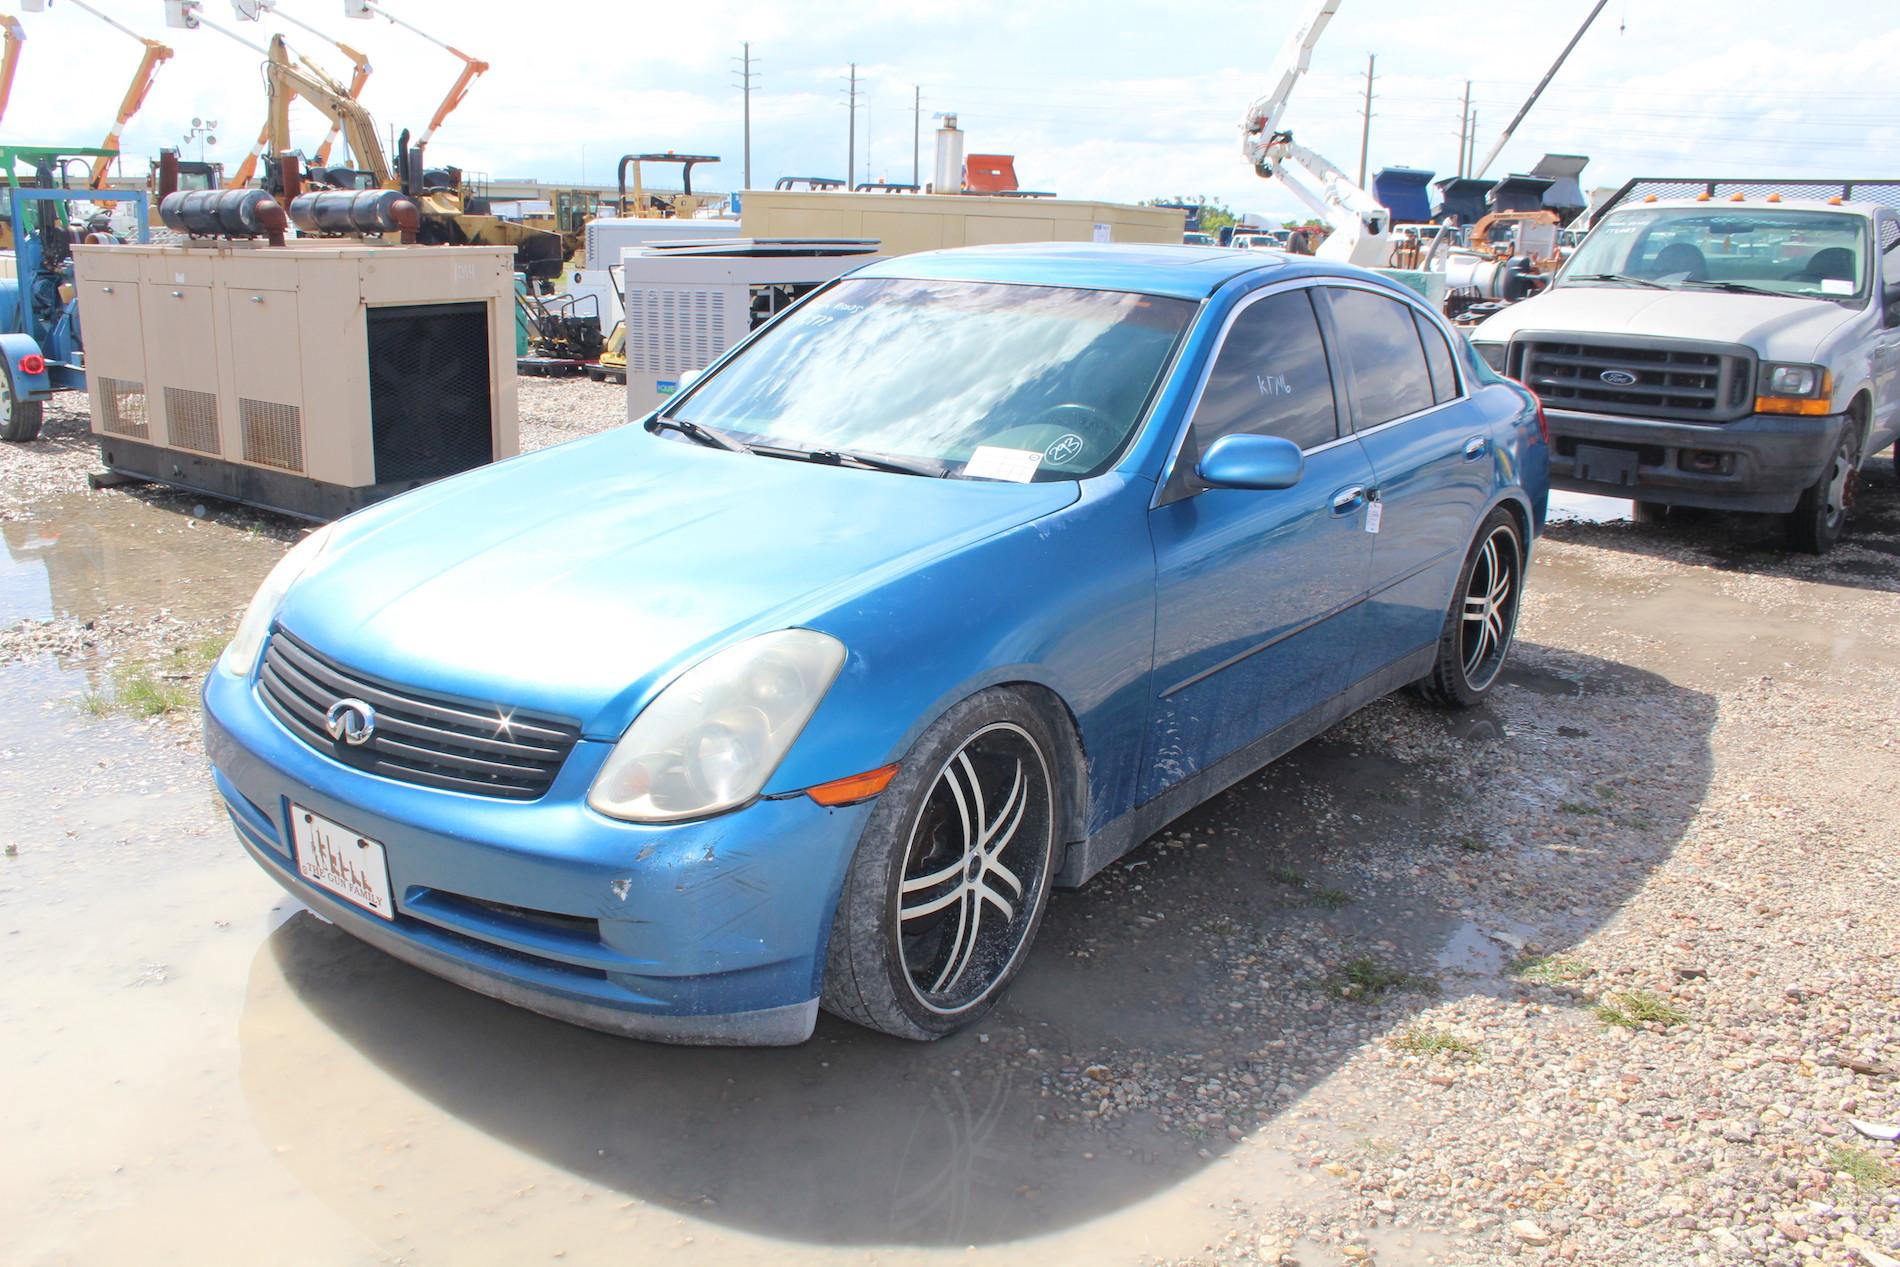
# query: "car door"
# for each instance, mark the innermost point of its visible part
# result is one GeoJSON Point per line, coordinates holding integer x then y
{"type": "Point", "coordinates": [1431, 461]}
{"type": "Point", "coordinates": [1256, 590]}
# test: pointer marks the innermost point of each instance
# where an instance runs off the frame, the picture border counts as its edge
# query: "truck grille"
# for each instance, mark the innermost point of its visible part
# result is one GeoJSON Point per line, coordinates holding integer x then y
{"type": "Point", "coordinates": [417, 738]}
{"type": "Point", "coordinates": [1692, 384]}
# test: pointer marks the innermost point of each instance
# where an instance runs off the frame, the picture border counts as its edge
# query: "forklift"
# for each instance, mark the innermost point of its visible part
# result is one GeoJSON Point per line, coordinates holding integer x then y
{"type": "Point", "coordinates": [42, 349]}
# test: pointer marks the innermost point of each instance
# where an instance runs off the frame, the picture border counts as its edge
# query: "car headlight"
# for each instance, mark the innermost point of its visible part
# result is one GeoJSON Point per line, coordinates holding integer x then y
{"type": "Point", "coordinates": [716, 732]}
{"type": "Point", "coordinates": [240, 656]}
{"type": "Point", "coordinates": [1493, 354]}
{"type": "Point", "coordinates": [1791, 380]}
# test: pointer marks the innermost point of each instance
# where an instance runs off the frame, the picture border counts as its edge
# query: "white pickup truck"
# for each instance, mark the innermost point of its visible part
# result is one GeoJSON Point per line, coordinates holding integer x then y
{"type": "Point", "coordinates": [1738, 349]}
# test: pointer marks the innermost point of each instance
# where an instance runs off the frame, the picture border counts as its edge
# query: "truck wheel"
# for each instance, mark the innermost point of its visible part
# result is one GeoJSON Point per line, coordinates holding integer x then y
{"type": "Point", "coordinates": [1818, 518]}
{"type": "Point", "coordinates": [19, 419]}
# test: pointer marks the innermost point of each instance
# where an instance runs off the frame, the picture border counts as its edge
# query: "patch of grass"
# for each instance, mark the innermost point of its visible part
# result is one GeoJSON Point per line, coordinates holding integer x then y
{"type": "Point", "coordinates": [1287, 876]}
{"type": "Point", "coordinates": [1862, 1167]}
{"type": "Point", "coordinates": [198, 655]}
{"type": "Point", "coordinates": [142, 694]}
{"type": "Point", "coordinates": [1331, 899]}
{"type": "Point", "coordinates": [1550, 969]}
{"type": "Point", "coordinates": [1577, 807]}
{"type": "Point", "coordinates": [1635, 1008]}
{"type": "Point", "coordinates": [1471, 844]}
{"type": "Point", "coordinates": [1364, 977]}
{"type": "Point", "coordinates": [97, 703]}
{"type": "Point", "coordinates": [1420, 1041]}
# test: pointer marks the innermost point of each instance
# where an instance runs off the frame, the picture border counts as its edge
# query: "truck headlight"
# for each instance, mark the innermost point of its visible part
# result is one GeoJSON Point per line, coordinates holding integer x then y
{"type": "Point", "coordinates": [1794, 389]}
{"type": "Point", "coordinates": [714, 734]}
{"type": "Point", "coordinates": [1493, 354]}
{"type": "Point", "coordinates": [240, 656]}
{"type": "Point", "coordinates": [1791, 380]}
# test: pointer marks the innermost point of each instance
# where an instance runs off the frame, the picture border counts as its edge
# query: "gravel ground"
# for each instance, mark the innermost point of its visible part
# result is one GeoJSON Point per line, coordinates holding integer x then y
{"type": "Point", "coordinates": [1603, 972]}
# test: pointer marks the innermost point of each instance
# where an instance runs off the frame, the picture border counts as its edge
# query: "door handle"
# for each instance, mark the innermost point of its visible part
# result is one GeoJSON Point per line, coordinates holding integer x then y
{"type": "Point", "coordinates": [1347, 500]}
{"type": "Point", "coordinates": [1475, 447]}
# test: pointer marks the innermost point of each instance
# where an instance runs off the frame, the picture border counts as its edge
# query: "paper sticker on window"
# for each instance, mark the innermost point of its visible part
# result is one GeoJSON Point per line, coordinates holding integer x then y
{"type": "Point", "coordinates": [991, 462]}
{"type": "Point", "coordinates": [1836, 286]}
{"type": "Point", "coordinates": [666, 386]}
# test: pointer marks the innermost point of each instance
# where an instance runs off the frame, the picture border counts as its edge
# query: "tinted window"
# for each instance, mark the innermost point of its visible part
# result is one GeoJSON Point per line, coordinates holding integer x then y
{"type": "Point", "coordinates": [1389, 378]}
{"type": "Point", "coordinates": [1889, 251]}
{"type": "Point", "coordinates": [1271, 377]}
{"type": "Point", "coordinates": [1437, 359]}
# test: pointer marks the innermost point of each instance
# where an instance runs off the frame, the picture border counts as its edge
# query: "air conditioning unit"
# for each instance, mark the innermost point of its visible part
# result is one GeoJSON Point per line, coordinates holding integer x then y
{"type": "Point", "coordinates": [311, 378]}
{"type": "Point", "coordinates": [686, 303]}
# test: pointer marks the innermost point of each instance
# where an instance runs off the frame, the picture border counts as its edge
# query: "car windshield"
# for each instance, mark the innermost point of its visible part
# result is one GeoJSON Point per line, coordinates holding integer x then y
{"type": "Point", "coordinates": [1817, 254]}
{"type": "Point", "coordinates": [981, 379]}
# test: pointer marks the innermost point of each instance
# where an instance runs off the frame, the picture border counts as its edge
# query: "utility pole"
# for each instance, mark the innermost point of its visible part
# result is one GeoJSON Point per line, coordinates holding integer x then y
{"type": "Point", "coordinates": [851, 103]}
{"type": "Point", "coordinates": [1464, 125]}
{"type": "Point", "coordinates": [1365, 130]}
{"type": "Point", "coordinates": [1472, 152]}
{"type": "Point", "coordinates": [916, 134]}
{"type": "Point", "coordinates": [746, 76]}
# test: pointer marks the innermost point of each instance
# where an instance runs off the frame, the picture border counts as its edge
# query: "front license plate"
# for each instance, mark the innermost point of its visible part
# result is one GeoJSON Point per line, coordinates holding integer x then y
{"type": "Point", "coordinates": [333, 857]}
{"type": "Point", "coordinates": [1602, 465]}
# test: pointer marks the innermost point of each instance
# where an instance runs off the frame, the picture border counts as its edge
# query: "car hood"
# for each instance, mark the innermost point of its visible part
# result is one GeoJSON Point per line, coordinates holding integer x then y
{"type": "Point", "coordinates": [1777, 328]}
{"type": "Point", "coordinates": [573, 581]}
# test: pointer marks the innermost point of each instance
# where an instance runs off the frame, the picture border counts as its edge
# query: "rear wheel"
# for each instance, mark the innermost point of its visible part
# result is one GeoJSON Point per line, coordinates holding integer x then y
{"type": "Point", "coordinates": [19, 419]}
{"type": "Point", "coordinates": [1819, 518]}
{"type": "Point", "coordinates": [1482, 621]}
{"type": "Point", "coordinates": [952, 874]}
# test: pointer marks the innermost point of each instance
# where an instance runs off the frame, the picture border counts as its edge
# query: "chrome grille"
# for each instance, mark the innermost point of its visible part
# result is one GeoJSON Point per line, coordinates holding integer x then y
{"type": "Point", "coordinates": [426, 739]}
{"type": "Point", "coordinates": [1692, 384]}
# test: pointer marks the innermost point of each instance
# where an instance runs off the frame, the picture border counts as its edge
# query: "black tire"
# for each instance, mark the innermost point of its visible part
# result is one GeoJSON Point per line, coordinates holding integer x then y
{"type": "Point", "coordinates": [932, 980]}
{"type": "Point", "coordinates": [1470, 659]}
{"type": "Point", "coordinates": [19, 419]}
{"type": "Point", "coordinates": [1649, 512]}
{"type": "Point", "coordinates": [1820, 517]}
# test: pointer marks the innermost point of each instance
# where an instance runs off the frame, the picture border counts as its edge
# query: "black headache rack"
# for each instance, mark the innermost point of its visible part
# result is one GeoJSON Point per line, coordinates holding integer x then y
{"type": "Point", "coordinates": [1884, 192]}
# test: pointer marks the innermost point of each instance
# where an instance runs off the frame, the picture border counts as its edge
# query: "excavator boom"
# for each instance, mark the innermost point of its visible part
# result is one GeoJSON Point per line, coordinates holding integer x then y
{"type": "Point", "coordinates": [287, 82]}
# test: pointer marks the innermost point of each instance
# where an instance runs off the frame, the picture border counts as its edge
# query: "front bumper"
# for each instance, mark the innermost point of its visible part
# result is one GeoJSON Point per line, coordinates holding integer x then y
{"type": "Point", "coordinates": [1761, 462]}
{"type": "Point", "coordinates": [708, 932]}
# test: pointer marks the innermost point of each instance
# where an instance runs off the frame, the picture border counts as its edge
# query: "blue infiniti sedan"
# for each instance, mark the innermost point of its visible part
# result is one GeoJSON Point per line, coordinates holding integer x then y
{"type": "Point", "coordinates": [951, 585]}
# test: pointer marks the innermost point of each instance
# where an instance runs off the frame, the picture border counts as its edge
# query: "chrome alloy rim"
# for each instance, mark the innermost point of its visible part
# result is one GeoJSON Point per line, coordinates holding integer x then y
{"type": "Point", "coordinates": [974, 868]}
{"type": "Point", "coordinates": [1490, 615]}
{"type": "Point", "coordinates": [1840, 489]}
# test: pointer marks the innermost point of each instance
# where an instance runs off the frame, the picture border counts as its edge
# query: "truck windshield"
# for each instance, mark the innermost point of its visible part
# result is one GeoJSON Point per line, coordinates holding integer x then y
{"type": "Point", "coordinates": [1819, 254]}
{"type": "Point", "coordinates": [980, 379]}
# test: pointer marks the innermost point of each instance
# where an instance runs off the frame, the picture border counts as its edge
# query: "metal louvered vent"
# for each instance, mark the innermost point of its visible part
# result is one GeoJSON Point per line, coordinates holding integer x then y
{"type": "Point", "coordinates": [678, 330]}
{"type": "Point", "coordinates": [124, 406]}
{"type": "Point", "coordinates": [415, 738]}
{"type": "Point", "coordinates": [191, 419]}
{"type": "Point", "coordinates": [273, 433]}
{"type": "Point", "coordinates": [430, 411]}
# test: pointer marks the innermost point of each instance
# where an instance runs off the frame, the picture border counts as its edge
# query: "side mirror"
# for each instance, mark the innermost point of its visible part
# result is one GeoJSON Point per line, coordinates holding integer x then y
{"type": "Point", "coordinates": [1248, 461]}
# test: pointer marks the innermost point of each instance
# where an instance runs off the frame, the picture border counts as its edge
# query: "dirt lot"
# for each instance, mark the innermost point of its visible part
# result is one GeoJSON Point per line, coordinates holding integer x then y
{"type": "Point", "coordinates": [1603, 972]}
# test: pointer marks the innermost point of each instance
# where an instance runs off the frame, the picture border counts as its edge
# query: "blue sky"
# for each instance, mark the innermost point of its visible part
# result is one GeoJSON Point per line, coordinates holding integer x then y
{"type": "Point", "coordinates": [1103, 100]}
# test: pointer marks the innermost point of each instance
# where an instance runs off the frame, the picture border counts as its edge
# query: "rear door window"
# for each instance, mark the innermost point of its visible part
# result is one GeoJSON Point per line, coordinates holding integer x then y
{"type": "Point", "coordinates": [1383, 355]}
{"type": "Point", "coordinates": [1438, 359]}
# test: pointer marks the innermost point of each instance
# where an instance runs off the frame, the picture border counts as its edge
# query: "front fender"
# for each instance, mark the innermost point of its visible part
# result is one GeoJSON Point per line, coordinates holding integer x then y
{"type": "Point", "coordinates": [14, 347]}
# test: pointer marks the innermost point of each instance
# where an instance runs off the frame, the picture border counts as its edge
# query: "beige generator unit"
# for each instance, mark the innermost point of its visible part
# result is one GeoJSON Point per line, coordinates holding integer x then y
{"type": "Point", "coordinates": [905, 223]}
{"type": "Point", "coordinates": [311, 378]}
{"type": "Point", "coordinates": [687, 302]}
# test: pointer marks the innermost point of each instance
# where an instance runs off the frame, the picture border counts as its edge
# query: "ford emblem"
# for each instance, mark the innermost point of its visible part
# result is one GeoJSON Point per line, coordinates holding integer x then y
{"type": "Point", "coordinates": [1618, 378]}
{"type": "Point", "coordinates": [350, 721]}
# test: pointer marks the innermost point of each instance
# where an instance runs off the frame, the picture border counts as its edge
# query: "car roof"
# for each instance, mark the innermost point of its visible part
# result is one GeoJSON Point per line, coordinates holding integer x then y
{"type": "Point", "coordinates": [1180, 272]}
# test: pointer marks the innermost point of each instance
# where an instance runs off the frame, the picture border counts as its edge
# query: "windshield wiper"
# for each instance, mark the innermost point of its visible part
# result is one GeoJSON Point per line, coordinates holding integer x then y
{"type": "Point", "coordinates": [1743, 288]}
{"type": "Point", "coordinates": [707, 436]}
{"type": "Point", "coordinates": [1619, 277]}
{"type": "Point", "coordinates": [861, 461]}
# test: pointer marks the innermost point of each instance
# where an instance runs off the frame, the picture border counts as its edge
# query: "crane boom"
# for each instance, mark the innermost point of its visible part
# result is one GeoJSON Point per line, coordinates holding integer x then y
{"type": "Point", "coordinates": [1359, 223]}
{"type": "Point", "coordinates": [15, 36]}
{"type": "Point", "coordinates": [472, 67]}
{"type": "Point", "coordinates": [1538, 91]}
{"type": "Point", "coordinates": [156, 55]}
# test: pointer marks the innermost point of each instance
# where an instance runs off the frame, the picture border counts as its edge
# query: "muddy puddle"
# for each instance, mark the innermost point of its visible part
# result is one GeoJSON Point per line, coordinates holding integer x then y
{"type": "Point", "coordinates": [240, 1064]}
{"type": "Point", "coordinates": [85, 553]}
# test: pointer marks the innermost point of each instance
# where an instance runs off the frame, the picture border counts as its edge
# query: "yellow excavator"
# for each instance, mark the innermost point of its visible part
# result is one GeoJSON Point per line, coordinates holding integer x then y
{"type": "Point", "coordinates": [446, 216]}
{"type": "Point", "coordinates": [254, 10]}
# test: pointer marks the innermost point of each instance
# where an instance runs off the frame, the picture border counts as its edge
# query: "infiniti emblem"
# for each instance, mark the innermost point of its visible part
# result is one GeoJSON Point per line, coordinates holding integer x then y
{"type": "Point", "coordinates": [1618, 378]}
{"type": "Point", "coordinates": [350, 721]}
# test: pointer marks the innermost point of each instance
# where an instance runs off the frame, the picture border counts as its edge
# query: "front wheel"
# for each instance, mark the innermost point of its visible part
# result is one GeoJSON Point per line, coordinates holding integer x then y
{"type": "Point", "coordinates": [950, 879]}
{"type": "Point", "coordinates": [1482, 621]}
{"type": "Point", "coordinates": [19, 419]}
{"type": "Point", "coordinates": [1820, 517]}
